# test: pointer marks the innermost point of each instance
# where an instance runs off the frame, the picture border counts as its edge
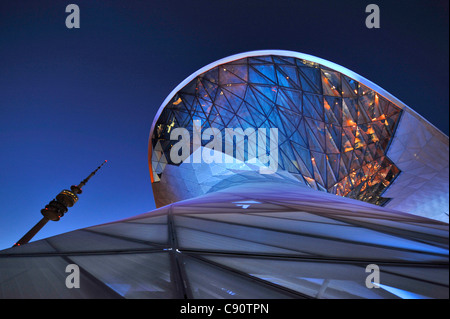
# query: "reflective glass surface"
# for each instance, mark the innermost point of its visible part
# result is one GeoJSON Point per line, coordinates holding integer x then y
{"type": "Point", "coordinates": [333, 132]}
{"type": "Point", "coordinates": [265, 241]}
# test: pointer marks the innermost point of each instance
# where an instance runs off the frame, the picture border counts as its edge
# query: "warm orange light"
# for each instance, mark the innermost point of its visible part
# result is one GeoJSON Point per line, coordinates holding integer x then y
{"type": "Point", "coordinates": [380, 118]}
{"type": "Point", "coordinates": [177, 101]}
{"type": "Point", "coordinates": [151, 173]}
{"type": "Point", "coordinates": [309, 179]}
{"type": "Point", "coordinates": [350, 123]}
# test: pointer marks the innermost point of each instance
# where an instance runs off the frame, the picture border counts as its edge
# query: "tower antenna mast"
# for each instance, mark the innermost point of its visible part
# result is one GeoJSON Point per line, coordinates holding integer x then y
{"type": "Point", "coordinates": [57, 207]}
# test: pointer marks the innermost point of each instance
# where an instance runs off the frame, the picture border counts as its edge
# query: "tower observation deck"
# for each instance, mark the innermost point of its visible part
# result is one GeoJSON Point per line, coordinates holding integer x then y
{"type": "Point", "coordinates": [57, 207]}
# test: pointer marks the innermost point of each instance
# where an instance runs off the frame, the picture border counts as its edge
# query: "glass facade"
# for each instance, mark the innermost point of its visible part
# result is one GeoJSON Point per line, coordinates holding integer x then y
{"type": "Point", "coordinates": [245, 242]}
{"type": "Point", "coordinates": [333, 132]}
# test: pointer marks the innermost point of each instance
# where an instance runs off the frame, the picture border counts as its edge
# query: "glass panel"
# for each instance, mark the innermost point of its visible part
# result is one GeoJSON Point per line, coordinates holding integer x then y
{"type": "Point", "coordinates": [312, 107]}
{"type": "Point", "coordinates": [283, 79]}
{"type": "Point", "coordinates": [207, 282]}
{"type": "Point", "coordinates": [312, 279]}
{"type": "Point", "coordinates": [227, 77]}
{"type": "Point", "coordinates": [310, 79]}
{"type": "Point", "coordinates": [292, 222]}
{"type": "Point", "coordinates": [416, 282]}
{"type": "Point", "coordinates": [302, 216]}
{"type": "Point", "coordinates": [132, 275]}
{"type": "Point", "coordinates": [338, 280]}
{"type": "Point", "coordinates": [331, 83]}
{"type": "Point", "coordinates": [149, 219]}
{"type": "Point", "coordinates": [401, 224]}
{"type": "Point", "coordinates": [314, 240]}
{"type": "Point", "coordinates": [268, 70]}
{"type": "Point", "coordinates": [257, 77]}
{"type": "Point", "coordinates": [39, 246]}
{"type": "Point", "coordinates": [291, 75]}
{"type": "Point", "coordinates": [44, 278]}
{"type": "Point", "coordinates": [197, 239]}
{"type": "Point", "coordinates": [85, 241]}
{"type": "Point", "coordinates": [147, 232]}
{"type": "Point", "coordinates": [240, 70]}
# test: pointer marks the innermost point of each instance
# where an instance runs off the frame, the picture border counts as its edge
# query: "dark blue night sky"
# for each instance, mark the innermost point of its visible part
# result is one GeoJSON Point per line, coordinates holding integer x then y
{"type": "Point", "coordinates": [71, 98]}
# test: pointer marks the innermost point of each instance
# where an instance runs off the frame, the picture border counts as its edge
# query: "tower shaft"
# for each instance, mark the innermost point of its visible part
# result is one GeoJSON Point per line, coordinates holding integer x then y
{"type": "Point", "coordinates": [57, 207]}
{"type": "Point", "coordinates": [33, 231]}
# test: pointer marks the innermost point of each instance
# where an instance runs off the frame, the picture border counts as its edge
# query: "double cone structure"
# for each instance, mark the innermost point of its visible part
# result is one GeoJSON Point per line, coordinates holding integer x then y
{"type": "Point", "coordinates": [361, 184]}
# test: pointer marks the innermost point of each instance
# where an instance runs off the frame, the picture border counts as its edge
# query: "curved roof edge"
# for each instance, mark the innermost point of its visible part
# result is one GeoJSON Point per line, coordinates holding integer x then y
{"type": "Point", "coordinates": [303, 56]}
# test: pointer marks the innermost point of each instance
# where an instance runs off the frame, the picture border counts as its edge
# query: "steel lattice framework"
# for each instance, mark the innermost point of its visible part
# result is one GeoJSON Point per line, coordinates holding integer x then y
{"type": "Point", "coordinates": [333, 131]}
